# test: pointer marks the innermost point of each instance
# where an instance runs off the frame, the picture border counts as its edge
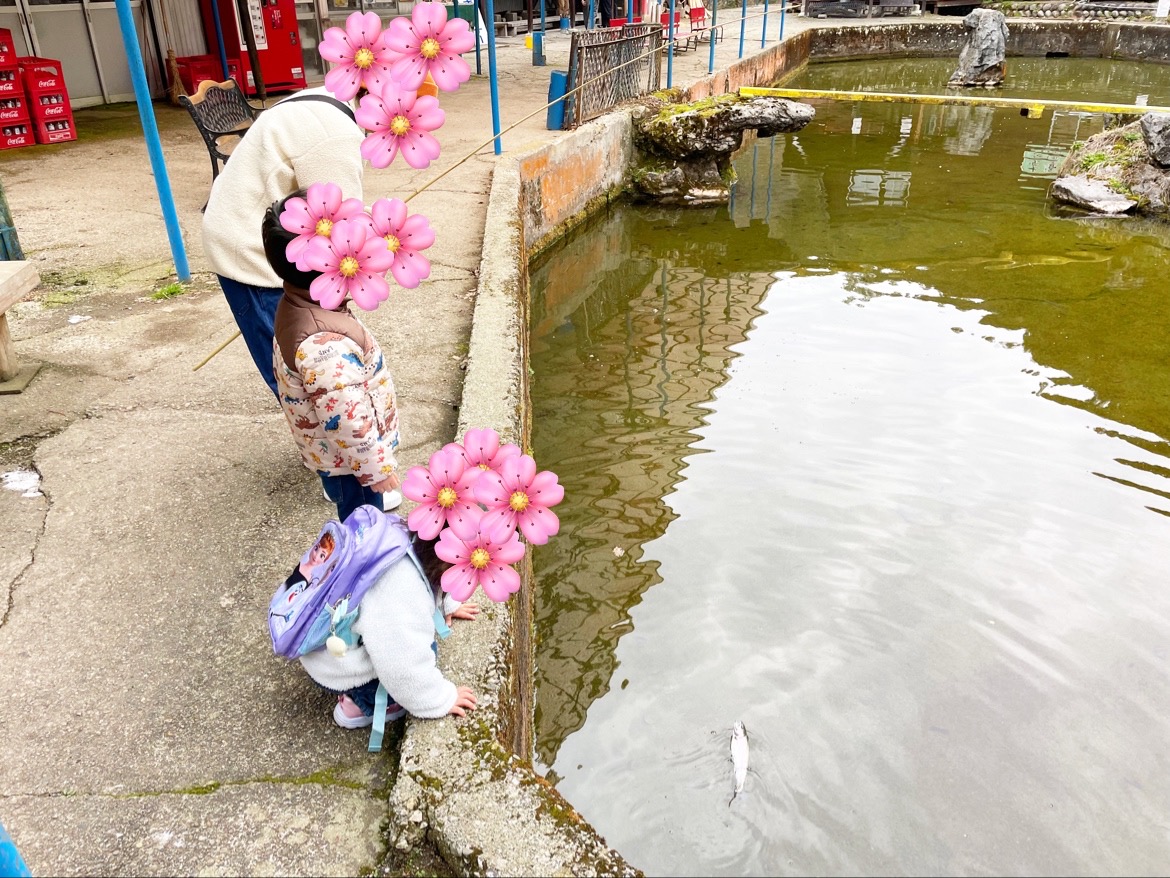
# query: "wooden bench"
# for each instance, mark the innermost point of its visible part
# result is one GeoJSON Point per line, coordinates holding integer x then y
{"type": "Point", "coordinates": [18, 278]}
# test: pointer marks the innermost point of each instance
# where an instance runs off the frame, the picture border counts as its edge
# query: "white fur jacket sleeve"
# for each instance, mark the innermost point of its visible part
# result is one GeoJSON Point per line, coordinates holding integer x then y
{"type": "Point", "coordinates": [397, 628]}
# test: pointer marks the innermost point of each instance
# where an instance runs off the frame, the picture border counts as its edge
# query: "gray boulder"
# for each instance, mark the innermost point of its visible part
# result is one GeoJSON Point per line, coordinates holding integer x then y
{"type": "Point", "coordinates": [982, 58]}
{"type": "Point", "coordinates": [1156, 133]}
{"type": "Point", "coordinates": [1090, 194]}
{"type": "Point", "coordinates": [686, 149]}
{"type": "Point", "coordinates": [1114, 172]}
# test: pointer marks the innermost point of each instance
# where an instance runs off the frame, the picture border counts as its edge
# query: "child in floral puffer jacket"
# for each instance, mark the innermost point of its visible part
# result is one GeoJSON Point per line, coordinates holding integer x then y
{"type": "Point", "coordinates": [334, 385]}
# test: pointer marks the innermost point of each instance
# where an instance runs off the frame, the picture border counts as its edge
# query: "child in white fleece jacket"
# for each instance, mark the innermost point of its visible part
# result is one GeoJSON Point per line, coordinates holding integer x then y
{"type": "Point", "coordinates": [397, 623]}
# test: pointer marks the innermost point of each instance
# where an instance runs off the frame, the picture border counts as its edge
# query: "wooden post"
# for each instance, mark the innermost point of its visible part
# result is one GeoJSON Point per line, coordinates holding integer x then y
{"type": "Point", "coordinates": [17, 280]}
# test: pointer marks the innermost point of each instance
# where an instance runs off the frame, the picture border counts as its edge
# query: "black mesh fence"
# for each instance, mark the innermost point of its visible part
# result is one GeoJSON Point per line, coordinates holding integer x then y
{"type": "Point", "coordinates": [611, 65]}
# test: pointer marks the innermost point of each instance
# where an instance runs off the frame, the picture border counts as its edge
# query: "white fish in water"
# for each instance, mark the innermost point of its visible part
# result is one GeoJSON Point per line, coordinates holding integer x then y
{"type": "Point", "coordinates": [739, 757]}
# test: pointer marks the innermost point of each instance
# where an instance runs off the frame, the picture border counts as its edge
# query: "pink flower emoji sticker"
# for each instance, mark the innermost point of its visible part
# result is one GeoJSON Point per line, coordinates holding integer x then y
{"type": "Point", "coordinates": [352, 262]}
{"type": "Point", "coordinates": [479, 561]}
{"type": "Point", "coordinates": [519, 497]}
{"type": "Point", "coordinates": [360, 54]}
{"type": "Point", "coordinates": [443, 492]}
{"type": "Point", "coordinates": [314, 215]}
{"type": "Point", "coordinates": [481, 448]}
{"type": "Point", "coordinates": [399, 121]}
{"type": "Point", "coordinates": [406, 235]}
{"type": "Point", "coordinates": [428, 43]}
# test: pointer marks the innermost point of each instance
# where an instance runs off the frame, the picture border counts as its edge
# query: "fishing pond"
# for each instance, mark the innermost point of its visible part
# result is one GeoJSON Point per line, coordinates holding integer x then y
{"type": "Point", "coordinates": [876, 460]}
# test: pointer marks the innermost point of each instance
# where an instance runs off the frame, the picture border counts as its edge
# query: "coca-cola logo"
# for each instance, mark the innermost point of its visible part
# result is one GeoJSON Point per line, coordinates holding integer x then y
{"type": "Point", "coordinates": [58, 110]}
{"type": "Point", "coordinates": [10, 114]}
{"type": "Point", "coordinates": [47, 83]}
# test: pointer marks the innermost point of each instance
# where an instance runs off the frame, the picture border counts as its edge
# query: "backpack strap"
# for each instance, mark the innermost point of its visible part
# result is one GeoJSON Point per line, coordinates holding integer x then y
{"type": "Point", "coordinates": [378, 729]}
{"type": "Point", "coordinates": [344, 107]}
{"type": "Point", "coordinates": [382, 697]}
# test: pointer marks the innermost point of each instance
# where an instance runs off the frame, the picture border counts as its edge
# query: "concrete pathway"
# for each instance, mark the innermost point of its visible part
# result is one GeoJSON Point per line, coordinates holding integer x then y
{"type": "Point", "coordinates": [145, 725]}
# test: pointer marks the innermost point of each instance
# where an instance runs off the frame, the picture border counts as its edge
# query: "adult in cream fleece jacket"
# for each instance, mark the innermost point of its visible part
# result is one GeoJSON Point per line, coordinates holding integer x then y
{"type": "Point", "coordinates": [290, 146]}
{"type": "Point", "coordinates": [397, 628]}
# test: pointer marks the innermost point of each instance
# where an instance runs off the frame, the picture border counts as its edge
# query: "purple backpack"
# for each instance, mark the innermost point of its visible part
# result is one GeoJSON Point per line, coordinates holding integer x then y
{"type": "Point", "coordinates": [323, 598]}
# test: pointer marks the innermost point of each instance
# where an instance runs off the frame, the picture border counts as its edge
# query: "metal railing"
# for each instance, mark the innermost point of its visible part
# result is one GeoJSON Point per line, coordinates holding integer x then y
{"type": "Point", "coordinates": [608, 66]}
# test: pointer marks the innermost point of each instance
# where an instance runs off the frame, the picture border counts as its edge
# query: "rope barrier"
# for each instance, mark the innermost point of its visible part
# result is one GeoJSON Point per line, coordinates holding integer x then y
{"type": "Point", "coordinates": [575, 91]}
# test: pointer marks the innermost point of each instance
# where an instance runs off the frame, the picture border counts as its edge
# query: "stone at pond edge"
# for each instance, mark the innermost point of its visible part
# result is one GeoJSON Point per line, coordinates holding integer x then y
{"type": "Point", "coordinates": [685, 149]}
{"type": "Point", "coordinates": [1091, 195]}
{"type": "Point", "coordinates": [1118, 163]}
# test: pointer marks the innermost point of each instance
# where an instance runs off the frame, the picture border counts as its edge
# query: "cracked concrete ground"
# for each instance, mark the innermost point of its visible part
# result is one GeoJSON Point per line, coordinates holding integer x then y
{"type": "Point", "coordinates": [145, 725]}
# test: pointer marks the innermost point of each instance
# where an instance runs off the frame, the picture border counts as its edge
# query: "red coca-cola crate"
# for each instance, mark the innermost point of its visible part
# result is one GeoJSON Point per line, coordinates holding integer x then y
{"type": "Point", "coordinates": [194, 69]}
{"type": "Point", "coordinates": [54, 130]}
{"type": "Point", "coordinates": [7, 50]}
{"type": "Point", "coordinates": [41, 74]}
{"type": "Point", "coordinates": [13, 108]}
{"type": "Point", "coordinates": [10, 80]}
{"type": "Point", "coordinates": [16, 134]}
{"type": "Point", "coordinates": [47, 105]}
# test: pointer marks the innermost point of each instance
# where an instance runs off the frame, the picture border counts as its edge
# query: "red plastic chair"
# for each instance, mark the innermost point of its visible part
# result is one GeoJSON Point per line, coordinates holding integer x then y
{"type": "Point", "coordinates": [681, 43]}
{"type": "Point", "coordinates": [699, 26]}
{"type": "Point", "coordinates": [616, 22]}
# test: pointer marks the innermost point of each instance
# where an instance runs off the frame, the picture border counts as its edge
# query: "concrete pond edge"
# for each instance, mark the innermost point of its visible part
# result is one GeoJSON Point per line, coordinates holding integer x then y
{"type": "Point", "coordinates": [462, 785]}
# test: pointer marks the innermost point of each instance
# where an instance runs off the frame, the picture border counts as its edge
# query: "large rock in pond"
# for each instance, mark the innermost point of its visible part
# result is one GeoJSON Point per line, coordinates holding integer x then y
{"type": "Point", "coordinates": [685, 149]}
{"type": "Point", "coordinates": [1113, 172]}
{"type": "Point", "coordinates": [1156, 134]}
{"type": "Point", "coordinates": [982, 58]}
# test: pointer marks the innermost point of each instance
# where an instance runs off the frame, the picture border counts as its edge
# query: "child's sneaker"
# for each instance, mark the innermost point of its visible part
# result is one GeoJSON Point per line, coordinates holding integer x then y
{"type": "Point", "coordinates": [348, 715]}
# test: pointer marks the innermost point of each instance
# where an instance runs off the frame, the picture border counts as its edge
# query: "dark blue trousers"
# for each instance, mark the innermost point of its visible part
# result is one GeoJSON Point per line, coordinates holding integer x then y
{"type": "Point", "coordinates": [255, 311]}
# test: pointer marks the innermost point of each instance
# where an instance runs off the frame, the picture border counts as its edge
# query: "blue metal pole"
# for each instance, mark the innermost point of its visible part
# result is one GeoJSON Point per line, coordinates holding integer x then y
{"type": "Point", "coordinates": [493, 75]}
{"type": "Point", "coordinates": [742, 26]}
{"type": "Point", "coordinates": [670, 46]}
{"type": "Point", "coordinates": [219, 38]}
{"type": "Point", "coordinates": [589, 20]}
{"type": "Point", "coordinates": [11, 862]}
{"type": "Point", "coordinates": [153, 144]}
{"type": "Point", "coordinates": [543, 29]}
{"type": "Point", "coordinates": [475, 27]}
{"type": "Point", "coordinates": [783, 9]}
{"type": "Point", "coordinates": [711, 36]}
{"type": "Point", "coordinates": [764, 29]}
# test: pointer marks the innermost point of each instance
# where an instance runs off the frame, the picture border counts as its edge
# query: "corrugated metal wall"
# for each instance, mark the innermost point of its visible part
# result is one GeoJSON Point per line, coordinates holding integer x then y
{"type": "Point", "coordinates": [184, 24]}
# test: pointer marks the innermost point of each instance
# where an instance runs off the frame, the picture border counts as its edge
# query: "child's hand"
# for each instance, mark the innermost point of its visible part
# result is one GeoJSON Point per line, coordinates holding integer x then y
{"type": "Point", "coordinates": [466, 611]}
{"type": "Point", "coordinates": [464, 701]}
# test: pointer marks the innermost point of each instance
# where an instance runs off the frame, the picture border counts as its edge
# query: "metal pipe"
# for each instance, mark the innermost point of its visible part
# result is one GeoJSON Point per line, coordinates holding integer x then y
{"type": "Point", "coordinates": [153, 143]}
{"type": "Point", "coordinates": [742, 26]}
{"type": "Point", "coordinates": [494, 77]}
{"type": "Point", "coordinates": [670, 45]}
{"type": "Point", "coordinates": [219, 42]}
{"type": "Point", "coordinates": [1030, 107]}
{"type": "Point", "coordinates": [245, 16]}
{"type": "Point", "coordinates": [711, 35]}
{"type": "Point", "coordinates": [97, 58]}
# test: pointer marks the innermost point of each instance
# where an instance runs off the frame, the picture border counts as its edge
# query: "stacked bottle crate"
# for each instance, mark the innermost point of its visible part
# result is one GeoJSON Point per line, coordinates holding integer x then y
{"type": "Point", "coordinates": [48, 99]}
{"type": "Point", "coordinates": [16, 127]}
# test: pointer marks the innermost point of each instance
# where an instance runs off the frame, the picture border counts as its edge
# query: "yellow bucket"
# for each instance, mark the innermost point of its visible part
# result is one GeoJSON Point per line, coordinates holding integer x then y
{"type": "Point", "coordinates": [528, 42]}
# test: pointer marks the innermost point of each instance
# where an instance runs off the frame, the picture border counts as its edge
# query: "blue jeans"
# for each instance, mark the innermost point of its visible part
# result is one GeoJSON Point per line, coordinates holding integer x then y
{"type": "Point", "coordinates": [348, 493]}
{"type": "Point", "coordinates": [255, 311]}
{"type": "Point", "coordinates": [363, 695]}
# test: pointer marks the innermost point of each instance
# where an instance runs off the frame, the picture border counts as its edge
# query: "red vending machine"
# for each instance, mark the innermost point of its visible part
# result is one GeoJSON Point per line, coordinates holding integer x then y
{"type": "Point", "coordinates": [278, 43]}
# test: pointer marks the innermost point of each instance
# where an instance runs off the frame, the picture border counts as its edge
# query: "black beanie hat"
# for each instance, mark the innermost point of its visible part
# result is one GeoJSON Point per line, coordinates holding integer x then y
{"type": "Point", "coordinates": [276, 239]}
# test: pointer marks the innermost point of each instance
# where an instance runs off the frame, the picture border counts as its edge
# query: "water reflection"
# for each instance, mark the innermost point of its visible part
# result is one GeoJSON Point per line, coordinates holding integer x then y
{"type": "Point", "coordinates": [883, 447]}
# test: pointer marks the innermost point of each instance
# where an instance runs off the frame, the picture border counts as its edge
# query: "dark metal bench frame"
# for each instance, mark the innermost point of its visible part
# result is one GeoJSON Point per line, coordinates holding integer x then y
{"type": "Point", "coordinates": [220, 110]}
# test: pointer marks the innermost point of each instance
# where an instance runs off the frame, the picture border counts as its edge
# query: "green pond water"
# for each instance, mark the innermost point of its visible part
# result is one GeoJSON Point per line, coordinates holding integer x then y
{"type": "Point", "coordinates": [875, 459]}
